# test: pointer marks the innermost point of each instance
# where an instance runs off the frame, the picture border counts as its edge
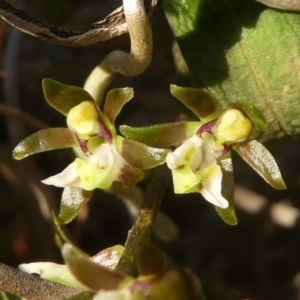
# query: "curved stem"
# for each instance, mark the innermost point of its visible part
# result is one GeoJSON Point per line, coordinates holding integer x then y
{"type": "Point", "coordinates": [143, 226]}
{"type": "Point", "coordinates": [131, 64]}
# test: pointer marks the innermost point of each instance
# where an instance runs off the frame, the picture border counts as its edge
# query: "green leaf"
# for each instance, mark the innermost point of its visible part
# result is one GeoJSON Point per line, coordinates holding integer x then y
{"type": "Point", "coordinates": [92, 275]}
{"type": "Point", "coordinates": [63, 97]}
{"type": "Point", "coordinates": [163, 135]}
{"type": "Point", "coordinates": [261, 160]}
{"type": "Point", "coordinates": [140, 155]}
{"type": "Point", "coordinates": [282, 4]}
{"type": "Point", "coordinates": [72, 202]}
{"type": "Point", "coordinates": [228, 214]}
{"type": "Point", "coordinates": [242, 51]}
{"type": "Point", "coordinates": [254, 114]}
{"type": "Point", "coordinates": [115, 100]}
{"type": "Point", "coordinates": [45, 140]}
{"type": "Point", "coordinates": [198, 101]}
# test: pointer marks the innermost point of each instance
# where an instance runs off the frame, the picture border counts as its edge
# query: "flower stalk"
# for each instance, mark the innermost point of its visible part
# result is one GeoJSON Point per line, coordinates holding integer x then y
{"type": "Point", "coordinates": [143, 226]}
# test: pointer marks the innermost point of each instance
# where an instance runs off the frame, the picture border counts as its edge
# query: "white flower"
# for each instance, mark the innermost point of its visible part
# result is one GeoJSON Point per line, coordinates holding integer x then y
{"type": "Point", "coordinates": [195, 169]}
{"type": "Point", "coordinates": [98, 170]}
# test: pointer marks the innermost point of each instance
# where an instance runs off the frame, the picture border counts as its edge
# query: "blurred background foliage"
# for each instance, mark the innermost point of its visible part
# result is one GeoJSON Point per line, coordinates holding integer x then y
{"type": "Point", "coordinates": [258, 258]}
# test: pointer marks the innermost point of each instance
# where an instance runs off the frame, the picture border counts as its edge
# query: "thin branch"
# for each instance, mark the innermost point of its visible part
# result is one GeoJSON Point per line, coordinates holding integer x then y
{"type": "Point", "coordinates": [113, 25]}
{"type": "Point", "coordinates": [143, 226]}
{"type": "Point", "coordinates": [31, 287]}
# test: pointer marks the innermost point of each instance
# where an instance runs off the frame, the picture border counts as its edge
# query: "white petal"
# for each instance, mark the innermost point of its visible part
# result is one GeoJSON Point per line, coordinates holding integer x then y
{"type": "Point", "coordinates": [96, 173]}
{"type": "Point", "coordinates": [186, 154]}
{"type": "Point", "coordinates": [68, 177]}
{"type": "Point", "coordinates": [103, 156]}
{"type": "Point", "coordinates": [113, 295]}
{"type": "Point", "coordinates": [53, 272]}
{"type": "Point", "coordinates": [208, 151]}
{"type": "Point", "coordinates": [212, 186]}
{"type": "Point", "coordinates": [108, 157]}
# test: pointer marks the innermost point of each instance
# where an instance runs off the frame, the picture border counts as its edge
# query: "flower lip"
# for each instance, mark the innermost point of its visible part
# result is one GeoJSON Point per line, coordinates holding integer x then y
{"type": "Point", "coordinates": [195, 169]}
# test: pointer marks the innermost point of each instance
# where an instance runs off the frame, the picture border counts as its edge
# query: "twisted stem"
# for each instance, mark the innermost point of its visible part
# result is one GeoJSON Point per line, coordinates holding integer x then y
{"type": "Point", "coordinates": [127, 64]}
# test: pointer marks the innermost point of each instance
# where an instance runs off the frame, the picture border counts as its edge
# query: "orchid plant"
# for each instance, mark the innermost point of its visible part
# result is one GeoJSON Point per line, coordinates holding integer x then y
{"type": "Point", "coordinates": [200, 163]}
{"type": "Point", "coordinates": [197, 153]}
{"type": "Point", "coordinates": [104, 156]}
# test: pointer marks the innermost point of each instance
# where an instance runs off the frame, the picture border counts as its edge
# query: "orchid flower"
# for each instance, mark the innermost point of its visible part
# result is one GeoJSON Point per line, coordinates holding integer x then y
{"type": "Point", "coordinates": [194, 164]}
{"type": "Point", "coordinates": [201, 163]}
{"type": "Point", "coordinates": [103, 156]}
{"type": "Point", "coordinates": [101, 163]}
{"type": "Point", "coordinates": [154, 280]}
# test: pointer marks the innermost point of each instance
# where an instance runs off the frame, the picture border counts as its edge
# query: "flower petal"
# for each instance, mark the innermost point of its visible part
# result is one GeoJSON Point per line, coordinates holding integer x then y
{"type": "Point", "coordinates": [163, 135]}
{"type": "Point", "coordinates": [212, 186]}
{"type": "Point", "coordinates": [198, 101]}
{"type": "Point", "coordinates": [262, 161]}
{"type": "Point", "coordinates": [185, 162]}
{"type": "Point", "coordinates": [114, 102]}
{"type": "Point", "coordinates": [208, 151]}
{"type": "Point", "coordinates": [63, 97]}
{"type": "Point", "coordinates": [140, 155]}
{"type": "Point", "coordinates": [72, 202]}
{"type": "Point", "coordinates": [45, 140]}
{"type": "Point", "coordinates": [68, 177]}
{"type": "Point", "coordinates": [53, 272]}
{"type": "Point", "coordinates": [228, 187]}
{"type": "Point", "coordinates": [90, 274]}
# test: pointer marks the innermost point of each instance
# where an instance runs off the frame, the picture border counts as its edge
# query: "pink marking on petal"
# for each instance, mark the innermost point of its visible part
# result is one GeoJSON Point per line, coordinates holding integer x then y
{"type": "Point", "coordinates": [207, 127]}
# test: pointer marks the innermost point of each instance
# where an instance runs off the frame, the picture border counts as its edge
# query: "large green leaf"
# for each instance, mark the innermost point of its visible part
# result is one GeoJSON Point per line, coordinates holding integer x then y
{"type": "Point", "coordinates": [240, 50]}
{"type": "Point", "coordinates": [282, 4]}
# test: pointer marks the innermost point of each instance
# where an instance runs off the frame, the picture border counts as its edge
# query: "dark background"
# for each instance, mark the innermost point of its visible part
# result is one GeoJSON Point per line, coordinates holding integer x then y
{"type": "Point", "coordinates": [257, 259]}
